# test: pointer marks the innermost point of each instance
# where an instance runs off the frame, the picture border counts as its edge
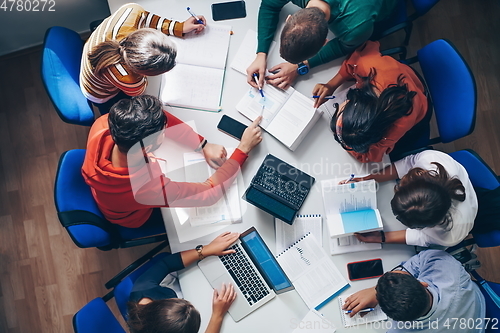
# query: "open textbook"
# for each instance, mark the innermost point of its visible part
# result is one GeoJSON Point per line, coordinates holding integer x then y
{"type": "Point", "coordinates": [376, 315]}
{"type": "Point", "coordinates": [286, 114]}
{"type": "Point", "coordinates": [226, 210]}
{"type": "Point", "coordinates": [312, 272]}
{"type": "Point", "coordinates": [350, 208]}
{"type": "Point", "coordinates": [196, 80]}
{"type": "Point", "coordinates": [287, 234]}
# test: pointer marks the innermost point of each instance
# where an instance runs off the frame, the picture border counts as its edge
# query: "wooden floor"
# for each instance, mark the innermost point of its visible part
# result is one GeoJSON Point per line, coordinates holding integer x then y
{"type": "Point", "coordinates": [45, 278]}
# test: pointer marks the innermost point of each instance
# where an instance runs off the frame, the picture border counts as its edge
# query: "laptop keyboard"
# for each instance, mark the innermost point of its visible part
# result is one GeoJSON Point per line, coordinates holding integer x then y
{"type": "Point", "coordinates": [244, 275]}
{"type": "Point", "coordinates": [287, 189]}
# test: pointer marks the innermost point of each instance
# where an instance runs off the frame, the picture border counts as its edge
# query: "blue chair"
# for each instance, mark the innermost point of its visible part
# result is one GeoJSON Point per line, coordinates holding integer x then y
{"type": "Point", "coordinates": [481, 175]}
{"type": "Point", "coordinates": [61, 57]}
{"type": "Point", "coordinates": [96, 317]}
{"type": "Point", "coordinates": [491, 292]}
{"type": "Point", "coordinates": [84, 222]}
{"type": "Point", "coordinates": [400, 20]}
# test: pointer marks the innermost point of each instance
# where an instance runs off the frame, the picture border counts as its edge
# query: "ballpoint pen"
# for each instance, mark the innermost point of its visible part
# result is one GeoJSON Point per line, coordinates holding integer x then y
{"type": "Point", "coordinates": [326, 97]}
{"type": "Point", "coordinates": [256, 78]}
{"type": "Point", "coordinates": [351, 178]}
{"type": "Point", "coordinates": [193, 15]}
{"type": "Point", "coordinates": [364, 310]}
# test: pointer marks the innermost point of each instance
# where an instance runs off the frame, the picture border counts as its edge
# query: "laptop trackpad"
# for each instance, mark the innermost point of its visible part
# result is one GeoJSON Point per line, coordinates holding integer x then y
{"type": "Point", "coordinates": [240, 307]}
{"type": "Point", "coordinates": [212, 268]}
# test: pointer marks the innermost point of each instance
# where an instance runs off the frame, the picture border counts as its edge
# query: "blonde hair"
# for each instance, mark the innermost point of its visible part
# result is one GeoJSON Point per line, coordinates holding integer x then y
{"type": "Point", "coordinates": [145, 51]}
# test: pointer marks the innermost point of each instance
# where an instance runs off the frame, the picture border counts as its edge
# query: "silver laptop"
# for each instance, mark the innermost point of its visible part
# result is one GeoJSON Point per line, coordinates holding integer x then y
{"type": "Point", "coordinates": [252, 270]}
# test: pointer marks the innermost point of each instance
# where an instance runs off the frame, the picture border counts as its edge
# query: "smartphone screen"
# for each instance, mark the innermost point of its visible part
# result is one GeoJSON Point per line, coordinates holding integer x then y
{"type": "Point", "coordinates": [231, 127]}
{"type": "Point", "coordinates": [228, 10]}
{"type": "Point", "coordinates": [365, 269]}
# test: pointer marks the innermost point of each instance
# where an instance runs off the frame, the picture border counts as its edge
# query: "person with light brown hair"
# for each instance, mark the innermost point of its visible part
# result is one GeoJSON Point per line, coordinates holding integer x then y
{"type": "Point", "coordinates": [127, 47]}
{"type": "Point", "coordinates": [434, 199]}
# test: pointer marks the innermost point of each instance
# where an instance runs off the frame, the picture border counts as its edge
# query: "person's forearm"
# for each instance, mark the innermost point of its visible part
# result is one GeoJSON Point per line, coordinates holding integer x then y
{"type": "Point", "coordinates": [214, 324]}
{"type": "Point", "coordinates": [396, 237]}
{"type": "Point", "coordinates": [386, 174]}
{"type": "Point", "coordinates": [267, 22]}
{"type": "Point", "coordinates": [189, 257]}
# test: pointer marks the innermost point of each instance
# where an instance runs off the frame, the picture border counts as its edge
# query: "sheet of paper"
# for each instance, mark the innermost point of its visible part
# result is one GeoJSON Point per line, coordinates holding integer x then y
{"type": "Point", "coordinates": [207, 49]}
{"type": "Point", "coordinates": [287, 234]}
{"type": "Point", "coordinates": [369, 317]}
{"type": "Point", "coordinates": [349, 244]}
{"type": "Point", "coordinates": [193, 87]}
{"type": "Point", "coordinates": [314, 322]}
{"type": "Point", "coordinates": [253, 105]}
{"type": "Point", "coordinates": [311, 271]}
{"type": "Point", "coordinates": [246, 52]}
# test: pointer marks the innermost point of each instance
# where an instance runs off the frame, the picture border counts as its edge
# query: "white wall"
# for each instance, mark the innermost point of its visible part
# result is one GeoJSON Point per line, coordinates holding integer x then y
{"type": "Point", "coordinates": [23, 29]}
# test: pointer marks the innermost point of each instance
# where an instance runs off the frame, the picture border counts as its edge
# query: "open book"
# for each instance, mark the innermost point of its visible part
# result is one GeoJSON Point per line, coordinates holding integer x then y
{"type": "Point", "coordinates": [376, 315]}
{"type": "Point", "coordinates": [350, 208]}
{"type": "Point", "coordinates": [313, 274]}
{"type": "Point", "coordinates": [287, 234]}
{"type": "Point", "coordinates": [196, 80]}
{"type": "Point", "coordinates": [286, 114]}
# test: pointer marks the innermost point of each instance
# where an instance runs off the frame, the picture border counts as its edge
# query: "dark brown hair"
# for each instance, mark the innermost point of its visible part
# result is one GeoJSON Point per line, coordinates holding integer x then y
{"type": "Point", "coordinates": [303, 35]}
{"type": "Point", "coordinates": [423, 197]}
{"type": "Point", "coordinates": [171, 315]}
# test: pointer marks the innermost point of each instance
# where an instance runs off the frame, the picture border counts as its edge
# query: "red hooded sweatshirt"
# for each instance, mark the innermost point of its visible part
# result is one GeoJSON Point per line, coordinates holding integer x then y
{"type": "Point", "coordinates": [112, 189]}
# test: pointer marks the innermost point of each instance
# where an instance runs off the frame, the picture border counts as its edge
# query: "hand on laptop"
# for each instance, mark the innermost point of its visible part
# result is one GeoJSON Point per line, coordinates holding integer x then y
{"type": "Point", "coordinates": [222, 300]}
{"type": "Point", "coordinates": [218, 246]}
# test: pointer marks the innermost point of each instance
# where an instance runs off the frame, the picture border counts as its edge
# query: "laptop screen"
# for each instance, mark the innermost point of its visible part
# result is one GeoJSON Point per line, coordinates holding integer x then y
{"type": "Point", "coordinates": [265, 261]}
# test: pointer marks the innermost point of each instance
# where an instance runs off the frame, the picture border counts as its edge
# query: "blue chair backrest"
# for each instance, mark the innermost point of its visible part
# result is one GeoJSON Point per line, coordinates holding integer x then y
{"type": "Point", "coordinates": [124, 288]}
{"type": "Point", "coordinates": [452, 88]}
{"type": "Point", "coordinates": [96, 317]}
{"type": "Point", "coordinates": [422, 6]}
{"type": "Point", "coordinates": [76, 205]}
{"type": "Point", "coordinates": [61, 58]}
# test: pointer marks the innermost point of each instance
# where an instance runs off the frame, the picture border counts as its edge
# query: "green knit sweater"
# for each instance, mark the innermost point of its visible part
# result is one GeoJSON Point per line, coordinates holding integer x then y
{"type": "Point", "coordinates": [351, 21]}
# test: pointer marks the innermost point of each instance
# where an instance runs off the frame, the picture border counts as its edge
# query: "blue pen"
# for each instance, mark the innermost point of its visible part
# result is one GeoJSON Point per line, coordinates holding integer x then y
{"type": "Point", "coordinates": [326, 97]}
{"type": "Point", "coordinates": [256, 78]}
{"type": "Point", "coordinates": [364, 310]}
{"type": "Point", "coordinates": [193, 15]}
{"type": "Point", "coordinates": [350, 179]}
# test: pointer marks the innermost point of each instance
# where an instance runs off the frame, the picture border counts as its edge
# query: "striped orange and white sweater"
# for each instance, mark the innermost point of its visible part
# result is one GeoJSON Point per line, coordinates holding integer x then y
{"type": "Point", "coordinates": [125, 20]}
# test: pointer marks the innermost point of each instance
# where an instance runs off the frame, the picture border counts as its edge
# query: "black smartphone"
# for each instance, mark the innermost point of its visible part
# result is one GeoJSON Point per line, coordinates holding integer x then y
{"type": "Point", "coordinates": [365, 269]}
{"type": "Point", "coordinates": [231, 127]}
{"type": "Point", "coordinates": [228, 10]}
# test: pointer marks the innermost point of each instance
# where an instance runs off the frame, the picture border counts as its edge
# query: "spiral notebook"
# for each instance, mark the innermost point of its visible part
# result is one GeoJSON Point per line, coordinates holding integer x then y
{"type": "Point", "coordinates": [313, 274]}
{"type": "Point", "coordinates": [287, 234]}
{"type": "Point", "coordinates": [369, 317]}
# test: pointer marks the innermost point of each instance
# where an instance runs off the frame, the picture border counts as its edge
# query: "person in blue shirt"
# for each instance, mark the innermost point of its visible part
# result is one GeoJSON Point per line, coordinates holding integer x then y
{"type": "Point", "coordinates": [427, 293]}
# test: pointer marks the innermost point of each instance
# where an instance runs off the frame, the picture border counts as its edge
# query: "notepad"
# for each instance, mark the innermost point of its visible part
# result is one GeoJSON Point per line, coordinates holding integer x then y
{"type": "Point", "coordinates": [287, 114]}
{"type": "Point", "coordinates": [348, 244]}
{"type": "Point", "coordinates": [314, 276]}
{"type": "Point", "coordinates": [196, 80]}
{"type": "Point", "coordinates": [350, 208]}
{"type": "Point", "coordinates": [287, 234]}
{"type": "Point", "coordinates": [369, 317]}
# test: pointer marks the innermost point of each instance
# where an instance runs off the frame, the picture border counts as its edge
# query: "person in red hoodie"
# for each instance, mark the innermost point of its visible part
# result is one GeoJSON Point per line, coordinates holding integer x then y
{"type": "Point", "coordinates": [125, 177]}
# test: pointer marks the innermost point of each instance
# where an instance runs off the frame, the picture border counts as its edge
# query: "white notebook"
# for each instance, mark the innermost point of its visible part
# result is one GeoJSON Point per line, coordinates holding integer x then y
{"type": "Point", "coordinates": [196, 81]}
{"type": "Point", "coordinates": [350, 208]}
{"type": "Point", "coordinates": [287, 234]}
{"type": "Point", "coordinates": [313, 274]}
{"type": "Point", "coordinates": [369, 317]}
{"type": "Point", "coordinates": [287, 114]}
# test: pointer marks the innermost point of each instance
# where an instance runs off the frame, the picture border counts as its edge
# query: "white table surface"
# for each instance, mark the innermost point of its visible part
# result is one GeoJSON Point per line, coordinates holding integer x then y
{"type": "Point", "coordinates": [319, 155]}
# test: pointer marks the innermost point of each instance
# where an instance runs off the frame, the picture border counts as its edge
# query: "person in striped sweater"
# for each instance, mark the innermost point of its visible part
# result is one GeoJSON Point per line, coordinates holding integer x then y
{"type": "Point", "coordinates": [124, 49]}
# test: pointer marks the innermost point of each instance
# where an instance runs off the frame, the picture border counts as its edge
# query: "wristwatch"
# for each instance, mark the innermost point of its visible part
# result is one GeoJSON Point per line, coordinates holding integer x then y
{"type": "Point", "coordinates": [302, 69]}
{"type": "Point", "coordinates": [199, 248]}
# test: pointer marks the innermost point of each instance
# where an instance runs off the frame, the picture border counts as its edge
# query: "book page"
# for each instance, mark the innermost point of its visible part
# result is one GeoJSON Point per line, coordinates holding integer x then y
{"type": "Point", "coordinates": [348, 244]}
{"type": "Point", "coordinates": [246, 52]}
{"type": "Point", "coordinates": [361, 220]}
{"type": "Point", "coordinates": [287, 234]}
{"type": "Point", "coordinates": [369, 317]}
{"type": "Point", "coordinates": [207, 49]}
{"type": "Point", "coordinates": [253, 104]}
{"type": "Point", "coordinates": [192, 87]}
{"type": "Point", "coordinates": [311, 271]}
{"type": "Point", "coordinates": [293, 117]}
{"type": "Point", "coordinates": [348, 197]}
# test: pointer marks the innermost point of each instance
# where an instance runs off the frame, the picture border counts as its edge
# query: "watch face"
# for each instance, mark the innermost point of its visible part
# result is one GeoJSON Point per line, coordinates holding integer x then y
{"type": "Point", "coordinates": [302, 69]}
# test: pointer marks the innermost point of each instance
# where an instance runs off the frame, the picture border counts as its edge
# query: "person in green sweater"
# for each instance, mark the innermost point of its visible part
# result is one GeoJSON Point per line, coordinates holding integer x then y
{"type": "Point", "coordinates": [303, 40]}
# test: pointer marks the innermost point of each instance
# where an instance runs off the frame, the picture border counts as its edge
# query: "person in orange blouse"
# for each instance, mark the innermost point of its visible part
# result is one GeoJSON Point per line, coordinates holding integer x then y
{"type": "Point", "coordinates": [385, 111]}
{"type": "Point", "coordinates": [125, 177]}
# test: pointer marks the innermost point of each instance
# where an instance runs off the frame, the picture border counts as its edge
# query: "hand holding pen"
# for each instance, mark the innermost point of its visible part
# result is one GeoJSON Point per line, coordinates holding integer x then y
{"type": "Point", "coordinates": [321, 93]}
{"type": "Point", "coordinates": [256, 79]}
{"type": "Point", "coordinates": [360, 311]}
{"type": "Point", "coordinates": [195, 22]}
